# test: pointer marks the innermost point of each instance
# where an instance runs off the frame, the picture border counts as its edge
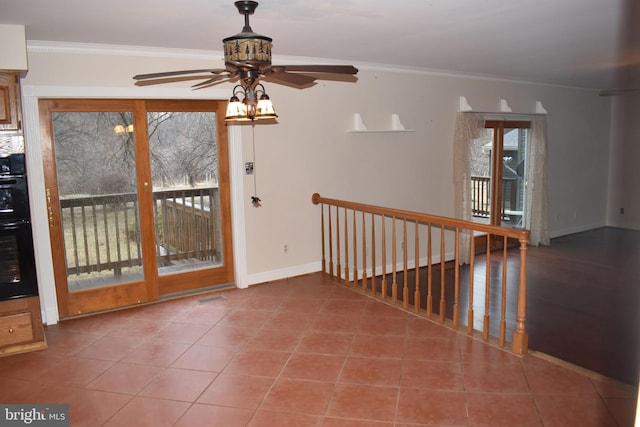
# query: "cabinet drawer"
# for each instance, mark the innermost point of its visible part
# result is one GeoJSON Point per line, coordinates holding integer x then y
{"type": "Point", "coordinates": [15, 329]}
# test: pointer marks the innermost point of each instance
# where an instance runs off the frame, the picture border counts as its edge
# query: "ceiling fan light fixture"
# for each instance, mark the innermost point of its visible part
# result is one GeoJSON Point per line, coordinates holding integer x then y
{"type": "Point", "coordinates": [264, 109]}
{"type": "Point", "coordinates": [236, 109]}
{"type": "Point", "coordinates": [254, 105]}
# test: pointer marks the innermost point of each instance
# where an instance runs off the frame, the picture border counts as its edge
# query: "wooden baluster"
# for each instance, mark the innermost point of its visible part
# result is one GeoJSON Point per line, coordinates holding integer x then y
{"type": "Point", "coordinates": [126, 227]}
{"type": "Point", "coordinates": [405, 288]}
{"type": "Point", "coordinates": [118, 268]}
{"type": "Point", "coordinates": [520, 340]}
{"type": "Point", "coordinates": [364, 253]}
{"type": "Point", "coordinates": [346, 249]}
{"type": "Point", "coordinates": [487, 288]}
{"type": "Point", "coordinates": [394, 283]}
{"type": "Point", "coordinates": [383, 291]}
{"type": "Point", "coordinates": [429, 273]}
{"type": "Point", "coordinates": [373, 254]}
{"type": "Point", "coordinates": [138, 241]}
{"type": "Point", "coordinates": [339, 265]}
{"type": "Point", "coordinates": [443, 305]}
{"type": "Point", "coordinates": [106, 232]}
{"type": "Point", "coordinates": [96, 238]}
{"type": "Point", "coordinates": [355, 251]}
{"type": "Point", "coordinates": [416, 293]}
{"type": "Point", "coordinates": [84, 236]}
{"type": "Point", "coordinates": [324, 261]}
{"type": "Point", "coordinates": [472, 260]}
{"type": "Point", "coordinates": [330, 243]}
{"type": "Point", "coordinates": [503, 302]}
{"type": "Point", "coordinates": [456, 282]}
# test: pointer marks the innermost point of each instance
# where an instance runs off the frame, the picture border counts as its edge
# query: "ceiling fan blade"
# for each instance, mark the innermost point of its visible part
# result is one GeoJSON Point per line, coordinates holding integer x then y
{"type": "Point", "coordinates": [242, 65]}
{"type": "Point", "coordinates": [295, 80]}
{"type": "Point", "coordinates": [329, 69]}
{"type": "Point", "coordinates": [170, 80]}
{"type": "Point", "coordinates": [176, 73]}
{"type": "Point", "coordinates": [347, 78]}
{"type": "Point", "coordinates": [215, 79]}
{"type": "Point", "coordinates": [210, 83]}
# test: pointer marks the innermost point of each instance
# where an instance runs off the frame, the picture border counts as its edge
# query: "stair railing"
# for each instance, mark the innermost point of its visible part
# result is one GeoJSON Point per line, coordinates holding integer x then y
{"type": "Point", "coordinates": [438, 266]}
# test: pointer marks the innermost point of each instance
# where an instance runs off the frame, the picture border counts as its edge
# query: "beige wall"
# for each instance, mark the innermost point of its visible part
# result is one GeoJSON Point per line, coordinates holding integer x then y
{"type": "Point", "coordinates": [624, 175]}
{"type": "Point", "coordinates": [310, 151]}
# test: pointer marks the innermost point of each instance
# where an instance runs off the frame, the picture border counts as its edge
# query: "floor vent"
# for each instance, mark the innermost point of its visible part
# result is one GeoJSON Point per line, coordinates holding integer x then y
{"type": "Point", "coordinates": [212, 299]}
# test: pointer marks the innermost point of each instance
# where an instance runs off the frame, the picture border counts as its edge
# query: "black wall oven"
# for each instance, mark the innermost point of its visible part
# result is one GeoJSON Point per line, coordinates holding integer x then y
{"type": "Point", "coordinates": [17, 262]}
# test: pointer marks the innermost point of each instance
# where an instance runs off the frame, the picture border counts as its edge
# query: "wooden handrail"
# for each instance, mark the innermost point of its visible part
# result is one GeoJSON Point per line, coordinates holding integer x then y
{"type": "Point", "coordinates": [457, 275]}
{"type": "Point", "coordinates": [515, 233]}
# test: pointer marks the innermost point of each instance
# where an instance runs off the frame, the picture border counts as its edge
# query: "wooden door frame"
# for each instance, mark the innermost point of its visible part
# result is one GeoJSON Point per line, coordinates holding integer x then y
{"type": "Point", "coordinates": [171, 284]}
{"type": "Point", "coordinates": [97, 299]}
{"type": "Point", "coordinates": [497, 153]}
{"type": "Point", "coordinates": [148, 289]}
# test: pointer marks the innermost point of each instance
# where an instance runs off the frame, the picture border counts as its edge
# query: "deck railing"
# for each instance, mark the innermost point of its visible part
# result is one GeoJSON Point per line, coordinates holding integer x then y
{"type": "Point", "coordinates": [190, 228]}
{"type": "Point", "coordinates": [102, 232]}
{"type": "Point", "coordinates": [481, 196]}
{"type": "Point", "coordinates": [429, 264]}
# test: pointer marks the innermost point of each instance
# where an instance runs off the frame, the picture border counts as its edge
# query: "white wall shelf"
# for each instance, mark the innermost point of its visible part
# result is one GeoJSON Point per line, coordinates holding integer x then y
{"type": "Point", "coordinates": [360, 127]}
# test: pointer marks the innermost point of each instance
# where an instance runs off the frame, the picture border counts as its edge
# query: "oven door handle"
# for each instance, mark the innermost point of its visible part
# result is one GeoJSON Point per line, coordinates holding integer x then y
{"type": "Point", "coordinates": [13, 225]}
{"type": "Point", "coordinates": [8, 181]}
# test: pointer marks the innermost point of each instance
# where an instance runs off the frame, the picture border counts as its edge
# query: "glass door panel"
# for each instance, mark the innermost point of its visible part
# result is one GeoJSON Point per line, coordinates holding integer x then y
{"type": "Point", "coordinates": [186, 197]}
{"type": "Point", "coordinates": [481, 183]}
{"type": "Point", "coordinates": [96, 175]}
{"type": "Point", "coordinates": [514, 149]}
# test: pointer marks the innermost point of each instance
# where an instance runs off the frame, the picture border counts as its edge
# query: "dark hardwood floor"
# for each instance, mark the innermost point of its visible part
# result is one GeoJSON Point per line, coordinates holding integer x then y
{"type": "Point", "coordinates": [583, 299]}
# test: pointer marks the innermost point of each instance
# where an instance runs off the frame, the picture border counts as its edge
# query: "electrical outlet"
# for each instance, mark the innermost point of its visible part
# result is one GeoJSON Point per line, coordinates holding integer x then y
{"type": "Point", "coordinates": [285, 249]}
{"type": "Point", "coordinates": [621, 211]}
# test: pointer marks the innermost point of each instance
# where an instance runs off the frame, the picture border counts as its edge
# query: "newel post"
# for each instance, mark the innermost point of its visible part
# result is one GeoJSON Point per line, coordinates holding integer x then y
{"type": "Point", "coordinates": [520, 341]}
{"type": "Point", "coordinates": [315, 198]}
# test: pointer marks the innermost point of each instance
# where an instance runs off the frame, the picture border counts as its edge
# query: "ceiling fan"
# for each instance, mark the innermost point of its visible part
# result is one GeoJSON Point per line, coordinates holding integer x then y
{"type": "Point", "coordinates": [247, 59]}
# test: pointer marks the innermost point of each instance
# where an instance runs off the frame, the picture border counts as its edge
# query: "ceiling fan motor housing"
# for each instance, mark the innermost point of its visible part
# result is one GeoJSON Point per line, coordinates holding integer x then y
{"type": "Point", "coordinates": [247, 47]}
{"type": "Point", "coordinates": [250, 48]}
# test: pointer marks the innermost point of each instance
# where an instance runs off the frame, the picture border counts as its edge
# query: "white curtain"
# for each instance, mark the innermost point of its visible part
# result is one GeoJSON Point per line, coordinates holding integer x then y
{"type": "Point", "coordinates": [468, 127]}
{"type": "Point", "coordinates": [537, 217]}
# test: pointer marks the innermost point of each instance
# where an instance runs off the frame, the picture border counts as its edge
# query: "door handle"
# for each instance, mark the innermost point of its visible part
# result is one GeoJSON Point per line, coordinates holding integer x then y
{"type": "Point", "coordinates": [49, 208]}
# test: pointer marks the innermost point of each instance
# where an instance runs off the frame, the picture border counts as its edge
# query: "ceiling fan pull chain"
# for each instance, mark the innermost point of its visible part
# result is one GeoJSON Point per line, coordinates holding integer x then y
{"type": "Point", "coordinates": [255, 200]}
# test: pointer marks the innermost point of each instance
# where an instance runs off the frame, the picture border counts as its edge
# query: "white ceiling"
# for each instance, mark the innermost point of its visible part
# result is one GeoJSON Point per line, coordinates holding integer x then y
{"type": "Point", "coordinates": [568, 42]}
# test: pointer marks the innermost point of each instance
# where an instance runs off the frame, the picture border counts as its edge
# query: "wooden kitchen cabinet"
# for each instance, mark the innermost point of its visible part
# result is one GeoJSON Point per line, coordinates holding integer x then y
{"type": "Point", "coordinates": [10, 105]}
{"type": "Point", "coordinates": [21, 327]}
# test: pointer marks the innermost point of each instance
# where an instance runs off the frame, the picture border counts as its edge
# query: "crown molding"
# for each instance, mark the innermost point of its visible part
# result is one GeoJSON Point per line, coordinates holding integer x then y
{"type": "Point", "coordinates": [40, 46]}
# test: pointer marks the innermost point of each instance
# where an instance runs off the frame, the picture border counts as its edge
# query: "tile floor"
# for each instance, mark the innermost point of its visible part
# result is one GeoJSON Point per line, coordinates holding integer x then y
{"type": "Point", "coordinates": [298, 352]}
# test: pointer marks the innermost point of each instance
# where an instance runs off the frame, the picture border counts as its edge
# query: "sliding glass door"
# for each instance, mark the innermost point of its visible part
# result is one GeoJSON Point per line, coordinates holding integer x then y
{"type": "Point", "coordinates": [137, 195]}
